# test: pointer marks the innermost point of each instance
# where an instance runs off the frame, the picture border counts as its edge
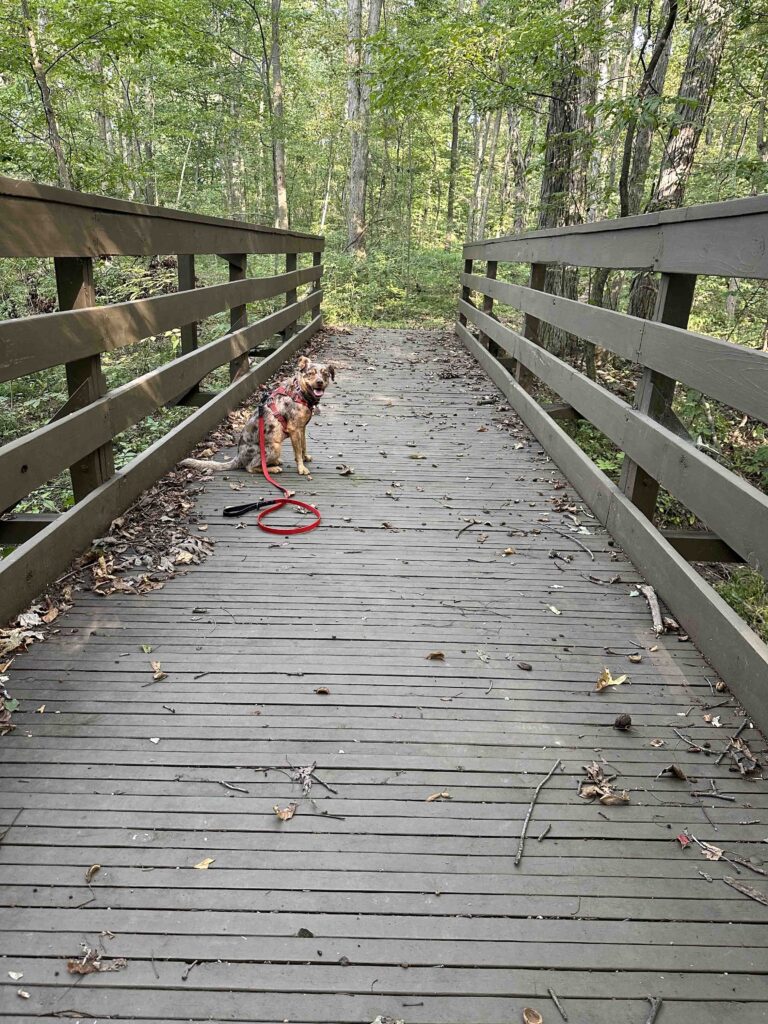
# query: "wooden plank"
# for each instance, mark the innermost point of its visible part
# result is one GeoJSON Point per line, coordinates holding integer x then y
{"type": "Point", "coordinates": [34, 458]}
{"type": "Point", "coordinates": [731, 646]}
{"type": "Point", "coordinates": [187, 282]}
{"type": "Point", "coordinates": [238, 315]}
{"type": "Point", "coordinates": [724, 239]}
{"type": "Point", "coordinates": [85, 380]}
{"type": "Point", "coordinates": [466, 291]}
{"type": "Point", "coordinates": [731, 507]}
{"type": "Point", "coordinates": [40, 220]}
{"type": "Point", "coordinates": [291, 263]}
{"type": "Point", "coordinates": [655, 391]}
{"type": "Point", "coordinates": [700, 546]}
{"type": "Point", "coordinates": [317, 267]}
{"type": "Point", "coordinates": [531, 324]}
{"type": "Point", "coordinates": [18, 528]}
{"type": "Point", "coordinates": [37, 342]}
{"type": "Point", "coordinates": [731, 373]}
{"type": "Point", "coordinates": [487, 307]}
{"type": "Point", "coordinates": [33, 565]}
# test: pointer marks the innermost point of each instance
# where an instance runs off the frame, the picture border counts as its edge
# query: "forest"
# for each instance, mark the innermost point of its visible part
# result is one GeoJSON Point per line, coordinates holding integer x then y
{"type": "Point", "coordinates": [397, 130]}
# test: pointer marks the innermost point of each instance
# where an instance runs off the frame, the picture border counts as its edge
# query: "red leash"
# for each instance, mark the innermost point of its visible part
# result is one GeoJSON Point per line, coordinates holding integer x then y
{"type": "Point", "coordinates": [284, 531]}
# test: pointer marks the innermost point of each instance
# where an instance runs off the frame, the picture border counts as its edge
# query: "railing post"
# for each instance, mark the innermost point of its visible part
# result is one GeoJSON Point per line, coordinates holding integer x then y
{"type": "Point", "coordinates": [531, 324]}
{"type": "Point", "coordinates": [85, 378]}
{"type": "Point", "coordinates": [655, 392]}
{"type": "Point", "coordinates": [492, 347]}
{"type": "Point", "coordinates": [186, 277]}
{"type": "Point", "coordinates": [466, 291]}
{"type": "Point", "coordinates": [317, 259]}
{"type": "Point", "coordinates": [238, 315]}
{"type": "Point", "coordinates": [291, 263]}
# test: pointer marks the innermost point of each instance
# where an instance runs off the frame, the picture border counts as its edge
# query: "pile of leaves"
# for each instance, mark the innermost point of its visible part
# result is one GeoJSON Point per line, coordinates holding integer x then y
{"type": "Point", "coordinates": [598, 786]}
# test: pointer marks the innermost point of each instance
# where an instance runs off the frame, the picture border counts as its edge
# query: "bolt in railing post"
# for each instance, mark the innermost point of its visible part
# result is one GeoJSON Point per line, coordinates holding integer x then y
{"type": "Point", "coordinates": [85, 378]}
{"type": "Point", "coordinates": [655, 392]}
{"type": "Point", "coordinates": [238, 315]}
{"type": "Point", "coordinates": [531, 324]}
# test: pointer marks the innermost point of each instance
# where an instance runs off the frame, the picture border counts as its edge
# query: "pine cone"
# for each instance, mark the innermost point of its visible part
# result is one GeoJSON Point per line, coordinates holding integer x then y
{"type": "Point", "coordinates": [623, 722]}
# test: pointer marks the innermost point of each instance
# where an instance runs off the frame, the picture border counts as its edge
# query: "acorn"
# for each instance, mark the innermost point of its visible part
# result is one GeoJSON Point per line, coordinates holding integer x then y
{"type": "Point", "coordinates": [623, 722]}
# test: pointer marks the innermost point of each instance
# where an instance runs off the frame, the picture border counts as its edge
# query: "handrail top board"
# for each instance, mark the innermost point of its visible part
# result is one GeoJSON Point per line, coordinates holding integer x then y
{"type": "Point", "coordinates": [32, 190]}
{"type": "Point", "coordinates": [718, 239]}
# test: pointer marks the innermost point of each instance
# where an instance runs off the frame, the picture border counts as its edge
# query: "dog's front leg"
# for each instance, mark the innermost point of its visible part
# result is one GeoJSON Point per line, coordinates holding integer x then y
{"type": "Point", "coordinates": [307, 456]}
{"type": "Point", "coordinates": [298, 451]}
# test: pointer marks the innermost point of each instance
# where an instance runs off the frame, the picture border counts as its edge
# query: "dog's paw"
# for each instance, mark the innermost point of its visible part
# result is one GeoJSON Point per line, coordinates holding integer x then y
{"type": "Point", "coordinates": [275, 469]}
{"type": "Point", "coordinates": [303, 471]}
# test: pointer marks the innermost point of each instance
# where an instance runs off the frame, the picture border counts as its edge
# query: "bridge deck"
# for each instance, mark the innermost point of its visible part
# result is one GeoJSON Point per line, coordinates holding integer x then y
{"type": "Point", "coordinates": [374, 900]}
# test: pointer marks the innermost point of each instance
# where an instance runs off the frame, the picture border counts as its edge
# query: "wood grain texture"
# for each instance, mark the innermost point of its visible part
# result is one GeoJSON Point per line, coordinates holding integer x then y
{"type": "Point", "coordinates": [373, 900]}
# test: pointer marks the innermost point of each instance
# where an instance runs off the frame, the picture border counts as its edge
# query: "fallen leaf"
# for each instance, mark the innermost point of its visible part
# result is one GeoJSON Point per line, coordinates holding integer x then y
{"type": "Point", "coordinates": [654, 648]}
{"type": "Point", "coordinates": [606, 679]}
{"type": "Point", "coordinates": [146, 648]}
{"type": "Point", "coordinates": [683, 840]}
{"type": "Point", "coordinates": [675, 770]}
{"type": "Point", "coordinates": [610, 799]}
{"type": "Point", "coordinates": [204, 864]}
{"type": "Point", "coordinates": [345, 470]}
{"type": "Point", "coordinates": [184, 558]}
{"type": "Point", "coordinates": [438, 796]}
{"type": "Point", "coordinates": [711, 852]}
{"type": "Point", "coordinates": [286, 813]}
{"type": "Point", "coordinates": [41, 709]}
{"type": "Point", "coordinates": [483, 657]}
{"type": "Point", "coordinates": [555, 611]}
{"type": "Point", "coordinates": [154, 739]}
{"type": "Point", "coordinates": [202, 527]}
{"type": "Point", "coordinates": [635, 658]}
{"type": "Point", "coordinates": [157, 671]}
{"type": "Point", "coordinates": [435, 656]}
{"type": "Point", "coordinates": [92, 870]}
{"type": "Point", "coordinates": [509, 551]}
{"type": "Point", "coordinates": [525, 666]}
{"type": "Point", "coordinates": [323, 690]}
{"type": "Point", "coordinates": [657, 743]}
{"type": "Point", "coordinates": [15, 975]}
{"type": "Point", "coordinates": [417, 455]}
{"type": "Point", "coordinates": [23, 994]}
{"type": "Point", "coordinates": [51, 615]}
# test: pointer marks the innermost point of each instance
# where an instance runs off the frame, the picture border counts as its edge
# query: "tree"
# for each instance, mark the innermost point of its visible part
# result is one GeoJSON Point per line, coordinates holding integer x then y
{"type": "Point", "coordinates": [358, 115]}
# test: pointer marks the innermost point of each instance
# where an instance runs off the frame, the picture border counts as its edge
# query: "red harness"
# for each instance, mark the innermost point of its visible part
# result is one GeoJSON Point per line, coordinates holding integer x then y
{"type": "Point", "coordinates": [293, 391]}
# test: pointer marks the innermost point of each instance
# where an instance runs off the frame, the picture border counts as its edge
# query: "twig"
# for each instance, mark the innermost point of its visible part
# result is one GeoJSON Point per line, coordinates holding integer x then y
{"type": "Point", "coordinates": [475, 522]}
{"type": "Point", "coordinates": [185, 975]}
{"type": "Point", "coordinates": [569, 536]}
{"type": "Point", "coordinates": [686, 739]}
{"type": "Point", "coordinates": [653, 603]}
{"type": "Point", "coordinates": [230, 785]}
{"type": "Point", "coordinates": [545, 833]}
{"type": "Point", "coordinates": [735, 736]}
{"type": "Point", "coordinates": [546, 779]}
{"type": "Point", "coordinates": [16, 817]}
{"type": "Point", "coordinates": [556, 1001]}
{"type": "Point", "coordinates": [655, 1002]}
{"type": "Point", "coordinates": [747, 890]}
{"type": "Point", "coordinates": [489, 689]}
{"type": "Point", "coordinates": [324, 784]}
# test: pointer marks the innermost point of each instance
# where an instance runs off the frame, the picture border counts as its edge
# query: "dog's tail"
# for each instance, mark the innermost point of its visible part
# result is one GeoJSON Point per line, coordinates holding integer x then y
{"type": "Point", "coordinates": [216, 467]}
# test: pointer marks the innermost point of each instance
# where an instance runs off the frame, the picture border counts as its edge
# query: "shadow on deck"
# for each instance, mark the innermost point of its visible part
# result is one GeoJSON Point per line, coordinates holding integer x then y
{"type": "Point", "coordinates": [441, 634]}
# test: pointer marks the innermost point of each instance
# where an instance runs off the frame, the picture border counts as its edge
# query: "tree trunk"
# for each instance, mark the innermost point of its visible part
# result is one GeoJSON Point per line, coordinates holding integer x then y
{"type": "Point", "coordinates": [482, 130]}
{"type": "Point", "coordinates": [694, 99]}
{"type": "Point", "coordinates": [328, 181]}
{"type": "Point", "coordinates": [453, 169]}
{"type": "Point", "coordinates": [487, 184]}
{"type": "Point", "coordinates": [41, 80]}
{"type": "Point", "coordinates": [358, 112]}
{"type": "Point", "coordinates": [278, 123]}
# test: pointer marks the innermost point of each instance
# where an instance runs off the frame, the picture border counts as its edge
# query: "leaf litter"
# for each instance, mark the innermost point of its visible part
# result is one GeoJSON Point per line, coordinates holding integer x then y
{"type": "Point", "coordinates": [599, 786]}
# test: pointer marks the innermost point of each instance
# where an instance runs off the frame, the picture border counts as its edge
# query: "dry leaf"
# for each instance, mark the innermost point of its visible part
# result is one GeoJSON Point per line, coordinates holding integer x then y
{"type": "Point", "coordinates": [184, 558]}
{"type": "Point", "coordinates": [157, 671]}
{"type": "Point", "coordinates": [610, 799]}
{"type": "Point", "coordinates": [657, 743]}
{"type": "Point", "coordinates": [154, 739]}
{"type": "Point", "coordinates": [15, 975]}
{"type": "Point", "coordinates": [654, 648]}
{"type": "Point", "coordinates": [146, 648]}
{"type": "Point", "coordinates": [635, 658]}
{"type": "Point", "coordinates": [711, 852]}
{"type": "Point", "coordinates": [204, 864]}
{"type": "Point", "coordinates": [674, 770]}
{"type": "Point", "coordinates": [51, 615]}
{"type": "Point", "coordinates": [555, 611]}
{"type": "Point", "coordinates": [23, 994]}
{"type": "Point", "coordinates": [322, 690]}
{"type": "Point", "coordinates": [417, 455]}
{"type": "Point", "coordinates": [92, 870]}
{"type": "Point", "coordinates": [445, 795]}
{"type": "Point", "coordinates": [345, 470]}
{"type": "Point", "coordinates": [683, 840]}
{"type": "Point", "coordinates": [41, 709]}
{"type": "Point", "coordinates": [435, 656]}
{"type": "Point", "coordinates": [525, 666]}
{"type": "Point", "coordinates": [285, 813]}
{"type": "Point", "coordinates": [606, 679]}
{"type": "Point", "coordinates": [509, 551]}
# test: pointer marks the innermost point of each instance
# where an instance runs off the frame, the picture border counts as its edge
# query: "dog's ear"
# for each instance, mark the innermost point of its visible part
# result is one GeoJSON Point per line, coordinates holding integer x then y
{"type": "Point", "coordinates": [303, 363]}
{"type": "Point", "coordinates": [332, 370]}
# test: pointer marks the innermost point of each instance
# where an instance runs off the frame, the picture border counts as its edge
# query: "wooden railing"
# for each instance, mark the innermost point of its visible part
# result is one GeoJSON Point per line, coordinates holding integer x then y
{"type": "Point", "coordinates": [72, 228]}
{"type": "Point", "coordinates": [724, 239]}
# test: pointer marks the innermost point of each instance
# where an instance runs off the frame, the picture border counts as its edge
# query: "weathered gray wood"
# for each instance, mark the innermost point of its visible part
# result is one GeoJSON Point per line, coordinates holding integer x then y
{"type": "Point", "coordinates": [317, 267]}
{"type": "Point", "coordinates": [725, 239]}
{"type": "Point", "coordinates": [34, 458]}
{"type": "Point", "coordinates": [187, 282]}
{"type": "Point", "coordinates": [487, 307]}
{"type": "Point", "coordinates": [531, 324]}
{"type": "Point", "coordinates": [36, 342]}
{"type": "Point", "coordinates": [731, 373]}
{"type": "Point", "coordinates": [39, 220]}
{"type": "Point", "coordinates": [732, 508]}
{"type": "Point", "coordinates": [291, 263]}
{"type": "Point", "coordinates": [238, 315]}
{"type": "Point", "coordinates": [733, 648]}
{"type": "Point", "coordinates": [18, 528]}
{"type": "Point", "coordinates": [31, 567]}
{"type": "Point", "coordinates": [700, 546]}
{"type": "Point", "coordinates": [85, 379]}
{"type": "Point", "coordinates": [466, 290]}
{"type": "Point", "coordinates": [655, 391]}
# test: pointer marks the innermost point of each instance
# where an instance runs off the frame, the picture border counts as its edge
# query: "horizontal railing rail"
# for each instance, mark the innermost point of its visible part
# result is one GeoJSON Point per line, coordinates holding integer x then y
{"type": "Point", "coordinates": [72, 229]}
{"type": "Point", "coordinates": [718, 239]}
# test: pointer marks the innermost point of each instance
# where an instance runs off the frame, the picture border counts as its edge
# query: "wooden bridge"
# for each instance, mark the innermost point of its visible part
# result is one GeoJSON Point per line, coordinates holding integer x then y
{"type": "Point", "coordinates": [417, 679]}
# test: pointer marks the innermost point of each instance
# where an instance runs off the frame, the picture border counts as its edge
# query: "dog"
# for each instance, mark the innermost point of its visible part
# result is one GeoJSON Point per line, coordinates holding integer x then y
{"type": "Point", "coordinates": [287, 410]}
